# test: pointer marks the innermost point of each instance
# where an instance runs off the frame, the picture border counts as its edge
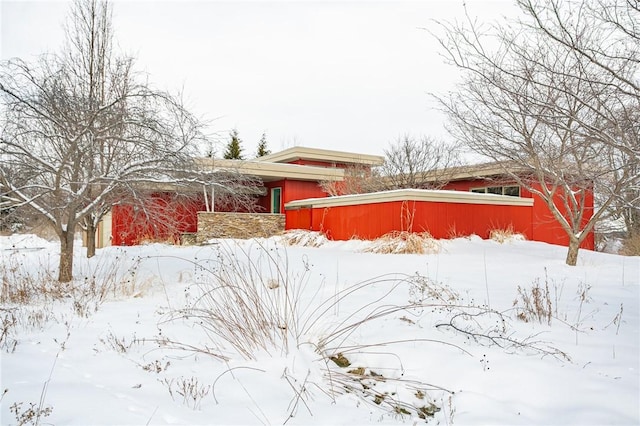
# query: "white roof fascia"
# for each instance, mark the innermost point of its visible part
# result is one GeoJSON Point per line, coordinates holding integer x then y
{"type": "Point", "coordinates": [441, 196]}
{"type": "Point", "coordinates": [304, 153]}
{"type": "Point", "coordinates": [274, 170]}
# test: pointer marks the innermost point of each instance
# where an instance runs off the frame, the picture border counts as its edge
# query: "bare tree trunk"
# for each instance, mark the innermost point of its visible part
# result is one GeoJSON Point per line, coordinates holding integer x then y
{"type": "Point", "coordinates": [65, 273]}
{"type": "Point", "coordinates": [572, 253]}
{"type": "Point", "coordinates": [632, 221]}
{"type": "Point", "coordinates": [91, 240]}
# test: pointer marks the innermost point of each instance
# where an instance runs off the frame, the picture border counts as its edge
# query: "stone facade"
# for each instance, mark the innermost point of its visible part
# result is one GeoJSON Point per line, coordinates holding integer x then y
{"type": "Point", "coordinates": [238, 225]}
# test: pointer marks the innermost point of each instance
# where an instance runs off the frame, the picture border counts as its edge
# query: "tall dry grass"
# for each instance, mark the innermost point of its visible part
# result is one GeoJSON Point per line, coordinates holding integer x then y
{"type": "Point", "coordinates": [251, 299]}
{"type": "Point", "coordinates": [29, 291]}
{"type": "Point", "coordinates": [404, 242]}
{"type": "Point", "coordinates": [503, 235]}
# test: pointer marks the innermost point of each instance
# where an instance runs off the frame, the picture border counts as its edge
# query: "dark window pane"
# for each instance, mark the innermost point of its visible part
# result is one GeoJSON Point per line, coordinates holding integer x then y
{"type": "Point", "coordinates": [513, 191]}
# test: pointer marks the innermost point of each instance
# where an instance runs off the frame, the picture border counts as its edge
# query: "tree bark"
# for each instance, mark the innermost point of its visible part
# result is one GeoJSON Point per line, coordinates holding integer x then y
{"type": "Point", "coordinates": [572, 253]}
{"type": "Point", "coordinates": [91, 240]}
{"type": "Point", "coordinates": [65, 272]}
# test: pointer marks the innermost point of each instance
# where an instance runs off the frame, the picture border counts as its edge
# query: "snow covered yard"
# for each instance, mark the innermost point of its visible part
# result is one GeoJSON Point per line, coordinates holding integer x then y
{"type": "Point", "coordinates": [160, 334]}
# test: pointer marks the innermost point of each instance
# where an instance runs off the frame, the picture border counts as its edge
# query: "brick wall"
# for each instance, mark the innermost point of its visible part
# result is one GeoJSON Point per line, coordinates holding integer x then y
{"type": "Point", "coordinates": [238, 225]}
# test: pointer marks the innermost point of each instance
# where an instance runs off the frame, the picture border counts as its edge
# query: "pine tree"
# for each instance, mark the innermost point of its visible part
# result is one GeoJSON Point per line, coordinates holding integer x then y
{"type": "Point", "coordinates": [262, 147]}
{"type": "Point", "coordinates": [234, 148]}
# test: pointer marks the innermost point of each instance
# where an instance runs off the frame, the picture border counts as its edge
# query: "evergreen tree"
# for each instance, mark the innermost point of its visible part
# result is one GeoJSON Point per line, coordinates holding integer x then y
{"type": "Point", "coordinates": [262, 147]}
{"type": "Point", "coordinates": [234, 148]}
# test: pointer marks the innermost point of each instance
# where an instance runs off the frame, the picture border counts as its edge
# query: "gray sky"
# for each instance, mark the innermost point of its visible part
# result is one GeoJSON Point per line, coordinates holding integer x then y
{"type": "Point", "coordinates": [337, 75]}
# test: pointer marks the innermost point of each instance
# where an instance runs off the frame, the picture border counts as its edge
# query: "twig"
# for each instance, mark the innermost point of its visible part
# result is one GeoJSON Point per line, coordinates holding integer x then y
{"type": "Point", "coordinates": [213, 386]}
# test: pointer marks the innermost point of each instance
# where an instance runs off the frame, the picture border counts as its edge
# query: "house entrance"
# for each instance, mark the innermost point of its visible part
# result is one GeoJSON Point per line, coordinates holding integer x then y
{"type": "Point", "coordinates": [276, 199]}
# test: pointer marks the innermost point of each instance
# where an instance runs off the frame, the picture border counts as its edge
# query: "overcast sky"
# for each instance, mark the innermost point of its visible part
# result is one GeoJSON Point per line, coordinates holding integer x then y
{"type": "Point", "coordinates": [351, 76]}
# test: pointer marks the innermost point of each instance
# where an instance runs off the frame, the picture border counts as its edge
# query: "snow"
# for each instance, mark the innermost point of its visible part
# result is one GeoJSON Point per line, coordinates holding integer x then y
{"type": "Point", "coordinates": [128, 346]}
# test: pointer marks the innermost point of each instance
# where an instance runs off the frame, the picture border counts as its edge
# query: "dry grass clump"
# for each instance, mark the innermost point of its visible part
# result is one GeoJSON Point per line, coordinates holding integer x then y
{"type": "Point", "coordinates": [251, 301]}
{"type": "Point", "coordinates": [189, 390]}
{"type": "Point", "coordinates": [248, 300]}
{"type": "Point", "coordinates": [454, 233]}
{"type": "Point", "coordinates": [403, 242]}
{"type": "Point", "coordinates": [22, 284]}
{"type": "Point", "coordinates": [534, 304]}
{"type": "Point", "coordinates": [300, 237]}
{"type": "Point", "coordinates": [505, 235]}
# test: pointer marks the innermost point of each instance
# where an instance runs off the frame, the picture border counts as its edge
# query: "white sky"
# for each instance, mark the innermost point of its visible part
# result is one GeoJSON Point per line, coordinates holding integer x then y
{"type": "Point", "coordinates": [337, 75]}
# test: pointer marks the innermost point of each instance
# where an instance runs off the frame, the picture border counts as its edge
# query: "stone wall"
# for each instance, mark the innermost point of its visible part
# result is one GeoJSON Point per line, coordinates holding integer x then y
{"type": "Point", "coordinates": [238, 225]}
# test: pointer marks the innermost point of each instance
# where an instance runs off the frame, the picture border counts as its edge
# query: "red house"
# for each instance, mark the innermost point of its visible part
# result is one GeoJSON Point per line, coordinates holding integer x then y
{"type": "Point", "coordinates": [476, 200]}
{"type": "Point", "coordinates": [289, 175]}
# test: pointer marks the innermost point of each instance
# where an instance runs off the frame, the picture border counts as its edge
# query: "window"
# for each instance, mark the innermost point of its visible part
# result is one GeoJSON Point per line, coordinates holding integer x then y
{"type": "Point", "coordinates": [513, 191]}
{"type": "Point", "coordinates": [276, 199]}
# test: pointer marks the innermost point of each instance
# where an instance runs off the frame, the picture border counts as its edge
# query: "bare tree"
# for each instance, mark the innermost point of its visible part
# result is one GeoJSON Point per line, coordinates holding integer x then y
{"type": "Point", "coordinates": [614, 48]}
{"type": "Point", "coordinates": [551, 112]}
{"type": "Point", "coordinates": [424, 163]}
{"type": "Point", "coordinates": [231, 191]}
{"type": "Point", "coordinates": [98, 77]}
{"type": "Point", "coordinates": [81, 129]}
{"type": "Point", "coordinates": [610, 42]}
{"type": "Point", "coordinates": [358, 179]}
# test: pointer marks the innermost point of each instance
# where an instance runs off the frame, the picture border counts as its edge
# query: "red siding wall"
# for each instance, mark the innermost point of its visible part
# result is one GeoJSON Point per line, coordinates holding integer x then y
{"type": "Point", "coordinates": [545, 227]}
{"type": "Point", "coordinates": [441, 220]}
{"type": "Point", "coordinates": [165, 217]}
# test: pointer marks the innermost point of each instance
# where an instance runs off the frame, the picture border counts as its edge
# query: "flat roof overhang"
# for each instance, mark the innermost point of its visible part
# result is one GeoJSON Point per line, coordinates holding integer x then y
{"type": "Point", "coordinates": [427, 195]}
{"type": "Point", "coordinates": [476, 171]}
{"type": "Point", "coordinates": [303, 153]}
{"type": "Point", "coordinates": [269, 172]}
